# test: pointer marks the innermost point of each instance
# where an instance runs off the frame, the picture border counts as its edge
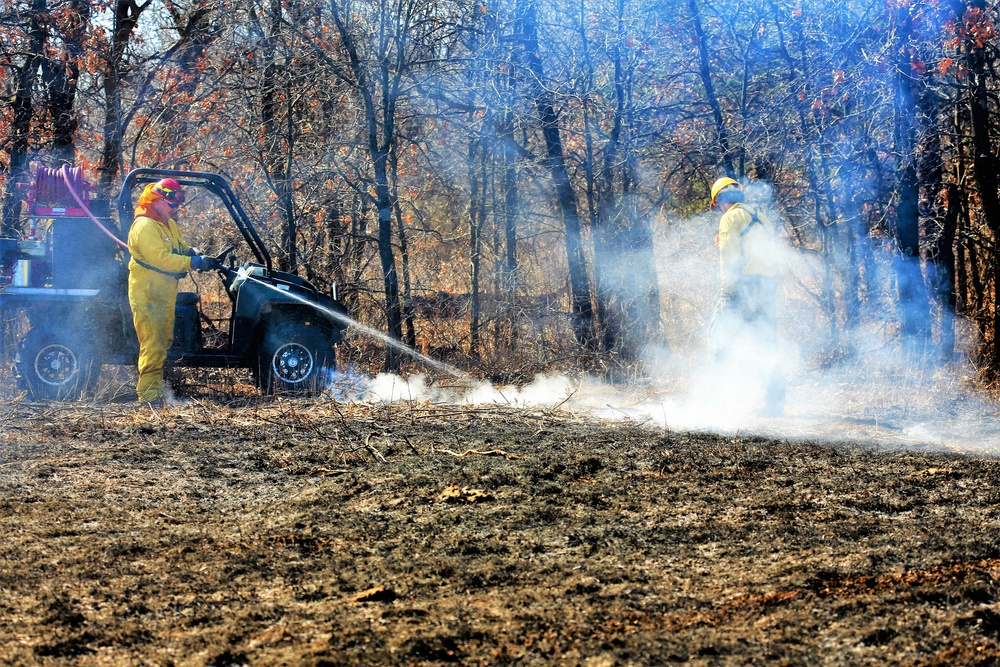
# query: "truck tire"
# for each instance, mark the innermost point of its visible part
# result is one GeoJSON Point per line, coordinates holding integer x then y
{"type": "Point", "coordinates": [296, 360]}
{"type": "Point", "coordinates": [55, 366]}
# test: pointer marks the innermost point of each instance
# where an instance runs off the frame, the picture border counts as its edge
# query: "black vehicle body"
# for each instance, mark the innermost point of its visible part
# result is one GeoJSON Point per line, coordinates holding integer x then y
{"type": "Point", "coordinates": [74, 292]}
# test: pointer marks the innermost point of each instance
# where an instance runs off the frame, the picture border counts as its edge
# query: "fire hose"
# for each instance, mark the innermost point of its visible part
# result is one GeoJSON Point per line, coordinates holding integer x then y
{"type": "Point", "coordinates": [47, 185]}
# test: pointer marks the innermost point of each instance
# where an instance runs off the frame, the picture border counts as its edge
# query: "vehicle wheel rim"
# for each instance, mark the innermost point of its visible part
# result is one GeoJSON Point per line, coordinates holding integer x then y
{"type": "Point", "coordinates": [292, 363]}
{"type": "Point", "coordinates": [55, 365]}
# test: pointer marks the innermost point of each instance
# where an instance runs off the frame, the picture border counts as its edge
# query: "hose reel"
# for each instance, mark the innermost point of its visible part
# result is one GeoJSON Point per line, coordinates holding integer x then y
{"type": "Point", "coordinates": [50, 188]}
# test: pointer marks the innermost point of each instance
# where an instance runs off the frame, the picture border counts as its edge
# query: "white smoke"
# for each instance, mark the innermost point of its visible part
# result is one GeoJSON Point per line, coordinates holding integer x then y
{"type": "Point", "coordinates": [881, 408]}
{"type": "Point", "coordinates": [888, 406]}
{"type": "Point", "coordinates": [544, 391]}
{"type": "Point", "coordinates": [841, 385]}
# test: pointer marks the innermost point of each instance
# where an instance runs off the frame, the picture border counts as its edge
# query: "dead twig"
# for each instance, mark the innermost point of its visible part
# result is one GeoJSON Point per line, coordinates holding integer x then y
{"type": "Point", "coordinates": [432, 412]}
{"type": "Point", "coordinates": [564, 401]}
{"type": "Point", "coordinates": [304, 426]}
{"type": "Point", "coordinates": [155, 413]}
{"type": "Point", "coordinates": [476, 452]}
{"type": "Point", "coordinates": [343, 420]}
{"type": "Point", "coordinates": [329, 472]}
{"type": "Point", "coordinates": [409, 444]}
{"type": "Point", "coordinates": [370, 447]}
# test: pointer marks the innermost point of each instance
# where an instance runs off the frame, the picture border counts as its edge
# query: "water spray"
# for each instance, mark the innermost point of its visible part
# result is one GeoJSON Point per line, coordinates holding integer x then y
{"type": "Point", "coordinates": [372, 333]}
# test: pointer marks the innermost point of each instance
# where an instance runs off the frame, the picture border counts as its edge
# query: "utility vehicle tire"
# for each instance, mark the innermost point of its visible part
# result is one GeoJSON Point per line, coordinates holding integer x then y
{"type": "Point", "coordinates": [296, 360]}
{"type": "Point", "coordinates": [55, 366]}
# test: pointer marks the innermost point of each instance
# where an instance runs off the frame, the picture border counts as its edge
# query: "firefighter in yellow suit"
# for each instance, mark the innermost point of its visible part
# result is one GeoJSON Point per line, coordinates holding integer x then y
{"type": "Point", "coordinates": [747, 305]}
{"type": "Point", "coordinates": [160, 258]}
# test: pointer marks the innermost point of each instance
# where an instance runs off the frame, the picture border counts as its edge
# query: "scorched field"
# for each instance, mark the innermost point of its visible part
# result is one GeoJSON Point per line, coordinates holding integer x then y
{"type": "Point", "coordinates": [281, 532]}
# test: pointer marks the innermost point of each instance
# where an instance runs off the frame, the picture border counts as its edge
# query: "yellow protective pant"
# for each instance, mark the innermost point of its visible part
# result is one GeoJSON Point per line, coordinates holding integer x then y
{"type": "Point", "coordinates": [153, 297]}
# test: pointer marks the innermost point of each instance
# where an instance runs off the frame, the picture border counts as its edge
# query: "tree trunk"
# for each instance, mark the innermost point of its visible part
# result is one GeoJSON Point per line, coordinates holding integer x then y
{"type": "Point", "coordinates": [913, 303]}
{"type": "Point", "coordinates": [624, 259]}
{"type": "Point", "coordinates": [852, 291]}
{"type": "Point", "coordinates": [60, 77]}
{"type": "Point", "coordinates": [279, 137]}
{"type": "Point", "coordinates": [939, 216]}
{"type": "Point", "coordinates": [582, 307]}
{"type": "Point", "coordinates": [126, 17]}
{"type": "Point", "coordinates": [977, 298]}
{"type": "Point", "coordinates": [704, 70]}
{"type": "Point", "coordinates": [359, 241]}
{"type": "Point", "coordinates": [390, 279]}
{"type": "Point", "coordinates": [476, 194]}
{"type": "Point", "coordinates": [381, 79]}
{"type": "Point", "coordinates": [945, 271]}
{"type": "Point", "coordinates": [196, 32]}
{"type": "Point", "coordinates": [961, 277]}
{"type": "Point", "coordinates": [290, 233]}
{"type": "Point", "coordinates": [987, 174]}
{"type": "Point", "coordinates": [20, 126]}
{"type": "Point", "coordinates": [510, 210]}
{"type": "Point", "coordinates": [406, 299]}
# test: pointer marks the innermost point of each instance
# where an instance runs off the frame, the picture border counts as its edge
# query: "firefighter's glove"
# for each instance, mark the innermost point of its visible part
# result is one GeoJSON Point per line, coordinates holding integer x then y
{"type": "Point", "coordinates": [192, 252]}
{"type": "Point", "coordinates": [204, 263]}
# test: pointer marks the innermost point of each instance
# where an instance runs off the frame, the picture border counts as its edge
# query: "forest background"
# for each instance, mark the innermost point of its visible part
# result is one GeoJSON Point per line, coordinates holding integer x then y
{"type": "Point", "coordinates": [520, 184]}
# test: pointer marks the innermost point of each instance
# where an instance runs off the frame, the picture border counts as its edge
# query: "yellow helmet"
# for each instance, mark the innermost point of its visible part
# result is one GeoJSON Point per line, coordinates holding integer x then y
{"type": "Point", "coordinates": [725, 184]}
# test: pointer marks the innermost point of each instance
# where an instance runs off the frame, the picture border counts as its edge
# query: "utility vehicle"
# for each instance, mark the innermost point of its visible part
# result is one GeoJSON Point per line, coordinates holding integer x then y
{"type": "Point", "coordinates": [68, 276]}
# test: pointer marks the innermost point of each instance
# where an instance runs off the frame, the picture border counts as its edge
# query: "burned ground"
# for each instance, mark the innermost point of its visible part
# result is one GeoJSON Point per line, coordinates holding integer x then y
{"type": "Point", "coordinates": [295, 533]}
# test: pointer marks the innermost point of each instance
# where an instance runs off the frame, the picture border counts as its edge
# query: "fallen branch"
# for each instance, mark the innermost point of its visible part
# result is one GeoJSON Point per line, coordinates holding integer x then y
{"type": "Point", "coordinates": [476, 452]}
{"type": "Point", "coordinates": [492, 412]}
{"type": "Point", "coordinates": [329, 472]}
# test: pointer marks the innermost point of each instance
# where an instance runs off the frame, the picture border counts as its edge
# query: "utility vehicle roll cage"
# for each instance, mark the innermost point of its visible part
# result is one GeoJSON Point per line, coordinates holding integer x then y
{"type": "Point", "coordinates": [214, 183]}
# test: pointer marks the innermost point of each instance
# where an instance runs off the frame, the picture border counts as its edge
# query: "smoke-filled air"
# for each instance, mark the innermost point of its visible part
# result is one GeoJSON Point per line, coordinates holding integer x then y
{"type": "Point", "coordinates": [841, 385]}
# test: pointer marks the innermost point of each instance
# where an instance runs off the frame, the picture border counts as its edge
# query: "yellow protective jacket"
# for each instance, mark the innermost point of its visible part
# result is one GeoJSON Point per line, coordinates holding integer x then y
{"type": "Point", "coordinates": [746, 246]}
{"type": "Point", "coordinates": [152, 293]}
{"type": "Point", "coordinates": [158, 245]}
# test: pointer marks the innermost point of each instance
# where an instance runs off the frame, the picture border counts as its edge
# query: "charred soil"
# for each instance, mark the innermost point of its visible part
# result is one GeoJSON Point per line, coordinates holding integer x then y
{"type": "Point", "coordinates": [312, 533]}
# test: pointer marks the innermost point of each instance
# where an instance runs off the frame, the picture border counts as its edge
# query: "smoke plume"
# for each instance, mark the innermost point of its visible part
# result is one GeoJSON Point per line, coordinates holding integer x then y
{"type": "Point", "coordinates": [856, 384]}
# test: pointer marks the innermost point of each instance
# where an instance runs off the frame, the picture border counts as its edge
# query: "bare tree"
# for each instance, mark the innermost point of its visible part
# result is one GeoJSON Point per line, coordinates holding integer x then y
{"type": "Point", "coordinates": [380, 43]}
{"type": "Point", "coordinates": [913, 303]}
{"type": "Point", "coordinates": [30, 22]}
{"type": "Point", "coordinates": [115, 69]}
{"type": "Point", "coordinates": [526, 35]}
{"type": "Point", "coordinates": [705, 72]}
{"type": "Point", "coordinates": [980, 59]}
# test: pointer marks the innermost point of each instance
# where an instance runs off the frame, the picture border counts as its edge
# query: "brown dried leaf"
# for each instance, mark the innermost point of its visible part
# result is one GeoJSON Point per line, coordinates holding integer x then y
{"type": "Point", "coordinates": [454, 493]}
